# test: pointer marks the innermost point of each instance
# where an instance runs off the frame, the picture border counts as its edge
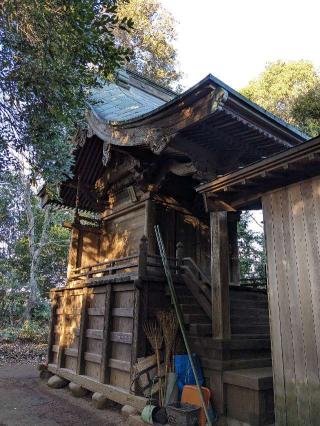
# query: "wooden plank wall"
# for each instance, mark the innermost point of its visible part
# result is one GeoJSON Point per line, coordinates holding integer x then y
{"type": "Point", "coordinates": [122, 234]}
{"type": "Point", "coordinates": [292, 226]}
{"type": "Point", "coordinates": [93, 332]}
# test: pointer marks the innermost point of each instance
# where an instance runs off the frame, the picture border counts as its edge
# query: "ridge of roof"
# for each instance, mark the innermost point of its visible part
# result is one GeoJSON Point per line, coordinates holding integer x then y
{"type": "Point", "coordinates": [151, 82]}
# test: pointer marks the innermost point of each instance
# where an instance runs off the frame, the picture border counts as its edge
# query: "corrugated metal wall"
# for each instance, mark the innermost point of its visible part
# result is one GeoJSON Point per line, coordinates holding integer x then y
{"type": "Point", "coordinates": [292, 226]}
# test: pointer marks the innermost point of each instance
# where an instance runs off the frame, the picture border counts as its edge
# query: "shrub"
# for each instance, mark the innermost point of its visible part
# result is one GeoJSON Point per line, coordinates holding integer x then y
{"type": "Point", "coordinates": [33, 332]}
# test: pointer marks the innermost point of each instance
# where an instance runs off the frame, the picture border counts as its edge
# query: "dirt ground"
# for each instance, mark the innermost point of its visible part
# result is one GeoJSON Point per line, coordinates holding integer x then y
{"type": "Point", "coordinates": [25, 400]}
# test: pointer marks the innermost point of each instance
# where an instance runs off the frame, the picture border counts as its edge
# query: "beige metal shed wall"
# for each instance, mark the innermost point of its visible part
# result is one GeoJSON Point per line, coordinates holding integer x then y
{"type": "Point", "coordinates": [292, 226]}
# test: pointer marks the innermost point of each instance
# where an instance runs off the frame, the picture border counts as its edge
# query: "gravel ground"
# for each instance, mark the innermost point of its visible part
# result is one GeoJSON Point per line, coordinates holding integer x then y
{"type": "Point", "coordinates": [25, 400]}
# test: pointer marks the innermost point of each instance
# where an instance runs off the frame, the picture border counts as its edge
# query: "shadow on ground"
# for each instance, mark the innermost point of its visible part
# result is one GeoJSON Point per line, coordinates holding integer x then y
{"type": "Point", "coordinates": [25, 400]}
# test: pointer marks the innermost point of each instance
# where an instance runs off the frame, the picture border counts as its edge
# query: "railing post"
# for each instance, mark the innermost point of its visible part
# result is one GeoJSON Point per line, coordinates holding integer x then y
{"type": "Point", "coordinates": [143, 254]}
{"type": "Point", "coordinates": [179, 256]}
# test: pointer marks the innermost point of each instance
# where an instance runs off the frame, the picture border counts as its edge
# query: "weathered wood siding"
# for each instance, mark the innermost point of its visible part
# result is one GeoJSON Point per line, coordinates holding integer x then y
{"type": "Point", "coordinates": [122, 233]}
{"type": "Point", "coordinates": [292, 226]}
{"type": "Point", "coordinates": [93, 332]}
{"type": "Point", "coordinates": [89, 248]}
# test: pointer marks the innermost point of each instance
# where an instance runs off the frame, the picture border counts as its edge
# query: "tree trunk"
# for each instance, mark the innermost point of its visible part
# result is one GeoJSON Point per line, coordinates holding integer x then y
{"type": "Point", "coordinates": [35, 247]}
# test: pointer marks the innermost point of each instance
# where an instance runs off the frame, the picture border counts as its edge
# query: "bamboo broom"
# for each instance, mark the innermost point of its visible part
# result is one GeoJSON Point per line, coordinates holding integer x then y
{"type": "Point", "coordinates": [155, 337]}
{"type": "Point", "coordinates": [169, 325]}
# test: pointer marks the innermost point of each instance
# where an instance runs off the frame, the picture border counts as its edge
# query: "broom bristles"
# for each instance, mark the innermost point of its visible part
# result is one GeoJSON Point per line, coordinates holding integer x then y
{"type": "Point", "coordinates": [169, 325]}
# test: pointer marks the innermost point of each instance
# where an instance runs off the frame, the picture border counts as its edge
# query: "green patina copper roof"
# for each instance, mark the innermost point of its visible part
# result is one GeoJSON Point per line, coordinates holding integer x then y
{"type": "Point", "coordinates": [129, 97]}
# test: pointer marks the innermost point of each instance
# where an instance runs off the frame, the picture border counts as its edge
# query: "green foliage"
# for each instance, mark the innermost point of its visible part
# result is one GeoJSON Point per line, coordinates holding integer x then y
{"type": "Point", "coordinates": [289, 90]}
{"type": "Point", "coordinates": [31, 331]}
{"type": "Point", "coordinates": [152, 40]}
{"type": "Point", "coordinates": [251, 249]}
{"type": "Point", "coordinates": [15, 254]}
{"type": "Point", "coordinates": [51, 54]}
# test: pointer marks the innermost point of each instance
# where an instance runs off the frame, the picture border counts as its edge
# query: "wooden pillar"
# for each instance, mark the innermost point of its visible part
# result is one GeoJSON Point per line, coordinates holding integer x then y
{"type": "Point", "coordinates": [143, 257]}
{"type": "Point", "coordinates": [220, 275]}
{"type": "Point", "coordinates": [150, 217]}
{"type": "Point", "coordinates": [73, 250]}
{"type": "Point", "coordinates": [82, 332]}
{"type": "Point", "coordinates": [53, 320]}
{"type": "Point", "coordinates": [233, 219]}
{"type": "Point", "coordinates": [106, 343]}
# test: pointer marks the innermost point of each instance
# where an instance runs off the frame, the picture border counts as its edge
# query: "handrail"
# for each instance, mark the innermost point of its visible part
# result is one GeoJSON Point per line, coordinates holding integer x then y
{"type": "Point", "coordinates": [198, 269]}
{"type": "Point", "coordinates": [120, 259]}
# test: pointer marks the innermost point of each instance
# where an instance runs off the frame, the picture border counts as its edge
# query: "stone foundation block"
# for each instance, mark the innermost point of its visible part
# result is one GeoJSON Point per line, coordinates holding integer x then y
{"type": "Point", "coordinates": [127, 411]}
{"type": "Point", "coordinates": [57, 382]}
{"type": "Point", "coordinates": [100, 401]}
{"type": "Point", "coordinates": [77, 390]}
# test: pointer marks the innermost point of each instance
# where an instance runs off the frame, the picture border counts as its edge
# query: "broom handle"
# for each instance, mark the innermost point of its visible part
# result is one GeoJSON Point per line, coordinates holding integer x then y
{"type": "Point", "coordinates": [180, 318]}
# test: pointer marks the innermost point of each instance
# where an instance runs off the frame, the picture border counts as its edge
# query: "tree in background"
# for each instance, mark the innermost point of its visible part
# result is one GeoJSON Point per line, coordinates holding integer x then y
{"type": "Point", "coordinates": [151, 40]}
{"type": "Point", "coordinates": [251, 248]}
{"type": "Point", "coordinates": [17, 258]}
{"type": "Point", "coordinates": [52, 53]}
{"type": "Point", "coordinates": [290, 90]}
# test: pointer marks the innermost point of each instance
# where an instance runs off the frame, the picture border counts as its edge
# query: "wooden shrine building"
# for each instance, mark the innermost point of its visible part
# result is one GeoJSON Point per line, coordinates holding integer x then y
{"type": "Point", "coordinates": [145, 158]}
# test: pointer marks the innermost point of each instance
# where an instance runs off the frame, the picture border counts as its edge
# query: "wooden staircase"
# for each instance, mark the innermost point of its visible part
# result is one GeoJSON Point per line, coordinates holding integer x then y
{"type": "Point", "coordinates": [249, 346]}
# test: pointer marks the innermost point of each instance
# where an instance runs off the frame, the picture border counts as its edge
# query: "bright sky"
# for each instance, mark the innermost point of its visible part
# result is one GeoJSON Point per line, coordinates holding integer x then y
{"type": "Point", "coordinates": [234, 39]}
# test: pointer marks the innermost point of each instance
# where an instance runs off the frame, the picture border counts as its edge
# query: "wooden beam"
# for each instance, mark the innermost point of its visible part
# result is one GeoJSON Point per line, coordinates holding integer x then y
{"type": "Point", "coordinates": [73, 251]}
{"type": "Point", "coordinates": [51, 337]}
{"type": "Point", "coordinates": [82, 337]}
{"type": "Point", "coordinates": [220, 275]}
{"type": "Point", "coordinates": [118, 395]}
{"type": "Point", "coordinates": [61, 355]}
{"type": "Point", "coordinates": [106, 343]}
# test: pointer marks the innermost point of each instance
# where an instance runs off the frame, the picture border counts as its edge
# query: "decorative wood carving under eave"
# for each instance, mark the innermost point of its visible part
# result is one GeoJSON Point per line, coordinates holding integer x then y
{"type": "Point", "coordinates": [157, 132]}
{"type": "Point", "coordinates": [204, 163]}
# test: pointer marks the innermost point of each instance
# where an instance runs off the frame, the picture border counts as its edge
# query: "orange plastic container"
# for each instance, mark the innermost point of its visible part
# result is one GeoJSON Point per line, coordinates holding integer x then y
{"type": "Point", "coordinates": [190, 395]}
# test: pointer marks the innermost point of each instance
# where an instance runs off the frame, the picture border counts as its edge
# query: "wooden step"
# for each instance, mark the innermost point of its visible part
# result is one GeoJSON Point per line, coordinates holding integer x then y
{"type": "Point", "coordinates": [241, 295]}
{"type": "Point", "coordinates": [249, 304]}
{"type": "Point", "coordinates": [196, 318]}
{"type": "Point", "coordinates": [234, 364]}
{"type": "Point", "coordinates": [187, 300]}
{"type": "Point", "coordinates": [181, 291]}
{"type": "Point", "coordinates": [261, 320]}
{"type": "Point", "coordinates": [204, 329]}
{"type": "Point", "coordinates": [237, 342]}
{"type": "Point", "coordinates": [252, 329]}
{"type": "Point", "coordinates": [191, 308]}
{"type": "Point", "coordinates": [249, 312]}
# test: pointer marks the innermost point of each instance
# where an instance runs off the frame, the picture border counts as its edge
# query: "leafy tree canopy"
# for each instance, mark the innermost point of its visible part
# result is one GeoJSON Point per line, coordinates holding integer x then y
{"type": "Point", "coordinates": [51, 53]}
{"type": "Point", "coordinates": [289, 90]}
{"type": "Point", "coordinates": [152, 40]}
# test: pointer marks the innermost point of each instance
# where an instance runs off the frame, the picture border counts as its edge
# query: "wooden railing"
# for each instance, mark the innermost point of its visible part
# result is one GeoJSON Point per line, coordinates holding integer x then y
{"type": "Point", "coordinates": [142, 264]}
{"type": "Point", "coordinates": [110, 267]}
{"type": "Point", "coordinates": [198, 284]}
